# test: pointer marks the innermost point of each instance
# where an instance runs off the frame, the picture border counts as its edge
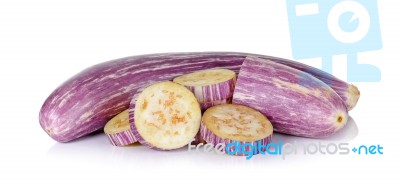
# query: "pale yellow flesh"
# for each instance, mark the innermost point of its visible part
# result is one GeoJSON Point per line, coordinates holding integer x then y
{"type": "Point", "coordinates": [237, 122]}
{"type": "Point", "coordinates": [167, 115]}
{"type": "Point", "coordinates": [118, 123]}
{"type": "Point", "coordinates": [205, 77]}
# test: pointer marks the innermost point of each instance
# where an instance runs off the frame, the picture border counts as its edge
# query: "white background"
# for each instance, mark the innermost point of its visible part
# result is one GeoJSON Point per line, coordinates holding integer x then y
{"type": "Point", "coordinates": [43, 43]}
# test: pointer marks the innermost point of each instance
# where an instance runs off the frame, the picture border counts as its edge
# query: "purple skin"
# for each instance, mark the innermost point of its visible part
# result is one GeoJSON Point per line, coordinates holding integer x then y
{"type": "Point", "coordinates": [205, 106]}
{"type": "Point", "coordinates": [133, 127]}
{"type": "Point", "coordinates": [215, 92]}
{"type": "Point", "coordinates": [295, 102]}
{"type": "Point", "coordinates": [210, 137]}
{"type": "Point", "coordinates": [88, 100]}
{"type": "Point", "coordinates": [347, 92]}
{"type": "Point", "coordinates": [122, 138]}
{"type": "Point", "coordinates": [84, 103]}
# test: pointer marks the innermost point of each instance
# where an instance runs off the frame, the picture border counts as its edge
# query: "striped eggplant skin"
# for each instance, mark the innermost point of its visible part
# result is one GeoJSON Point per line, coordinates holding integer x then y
{"type": "Point", "coordinates": [118, 130]}
{"type": "Point", "coordinates": [122, 138]}
{"type": "Point", "coordinates": [294, 101]}
{"type": "Point", "coordinates": [211, 91]}
{"type": "Point", "coordinates": [205, 106]}
{"type": "Point", "coordinates": [135, 132]}
{"type": "Point", "coordinates": [349, 93]}
{"type": "Point", "coordinates": [86, 101]}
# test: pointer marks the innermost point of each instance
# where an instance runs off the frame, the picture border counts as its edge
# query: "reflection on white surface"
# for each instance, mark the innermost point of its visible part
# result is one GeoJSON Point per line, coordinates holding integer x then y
{"type": "Point", "coordinates": [96, 147]}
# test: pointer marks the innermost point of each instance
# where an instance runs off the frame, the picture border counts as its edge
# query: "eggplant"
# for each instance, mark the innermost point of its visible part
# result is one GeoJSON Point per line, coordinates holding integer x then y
{"type": "Point", "coordinates": [294, 101]}
{"type": "Point", "coordinates": [85, 102]}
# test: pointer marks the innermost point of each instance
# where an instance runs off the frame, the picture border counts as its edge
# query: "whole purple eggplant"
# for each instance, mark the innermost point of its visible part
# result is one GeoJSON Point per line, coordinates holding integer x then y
{"type": "Point", "coordinates": [85, 102]}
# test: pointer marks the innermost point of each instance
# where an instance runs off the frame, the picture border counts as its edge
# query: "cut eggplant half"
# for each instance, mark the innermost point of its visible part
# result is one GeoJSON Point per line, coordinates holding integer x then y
{"type": "Point", "coordinates": [296, 102]}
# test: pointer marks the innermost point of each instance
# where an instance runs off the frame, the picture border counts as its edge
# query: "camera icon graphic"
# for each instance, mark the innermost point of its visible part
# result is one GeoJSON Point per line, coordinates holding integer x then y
{"type": "Point", "coordinates": [321, 28]}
